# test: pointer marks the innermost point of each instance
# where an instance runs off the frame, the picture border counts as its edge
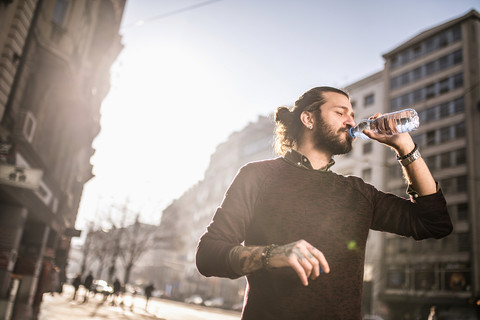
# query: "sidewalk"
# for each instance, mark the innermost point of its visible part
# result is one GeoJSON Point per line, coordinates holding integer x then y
{"type": "Point", "coordinates": [61, 307]}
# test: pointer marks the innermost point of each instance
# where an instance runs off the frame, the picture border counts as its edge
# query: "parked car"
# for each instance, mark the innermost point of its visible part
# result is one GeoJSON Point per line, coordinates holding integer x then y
{"type": "Point", "coordinates": [101, 286]}
{"type": "Point", "coordinates": [214, 302]}
{"type": "Point", "coordinates": [195, 299]}
{"type": "Point", "coordinates": [237, 306]}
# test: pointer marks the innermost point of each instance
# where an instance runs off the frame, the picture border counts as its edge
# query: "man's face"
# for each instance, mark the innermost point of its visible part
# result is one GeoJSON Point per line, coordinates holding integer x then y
{"type": "Point", "coordinates": [332, 124]}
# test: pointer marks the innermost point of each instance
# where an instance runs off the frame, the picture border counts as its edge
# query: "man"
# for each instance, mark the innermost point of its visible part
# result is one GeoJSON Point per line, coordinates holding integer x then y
{"type": "Point", "coordinates": [76, 285]}
{"type": "Point", "coordinates": [148, 293]}
{"type": "Point", "coordinates": [117, 290]}
{"type": "Point", "coordinates": [88, 286]}
{"type": "Point", "coordinates": [298, 231]}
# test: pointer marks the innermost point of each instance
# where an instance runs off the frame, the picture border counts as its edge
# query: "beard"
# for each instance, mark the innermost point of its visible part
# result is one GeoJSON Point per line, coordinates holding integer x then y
{"type": "Point", "coordinates": [325, 138]}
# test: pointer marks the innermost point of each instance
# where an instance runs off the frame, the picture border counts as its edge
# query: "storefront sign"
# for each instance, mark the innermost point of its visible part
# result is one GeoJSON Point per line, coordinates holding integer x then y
{"type": "Point", "coordinates": [20, 177]}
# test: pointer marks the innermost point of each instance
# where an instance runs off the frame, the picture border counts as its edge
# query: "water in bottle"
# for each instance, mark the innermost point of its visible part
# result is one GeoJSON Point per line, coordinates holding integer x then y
{"type": "Point", "coordinates": [388, 124]}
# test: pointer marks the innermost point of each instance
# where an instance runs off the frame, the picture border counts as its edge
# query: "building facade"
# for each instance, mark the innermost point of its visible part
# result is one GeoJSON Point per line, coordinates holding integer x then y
{"type": "Point", "coordinates": [55, 57]}
{"type": "Point", "coordinates": [437, 72]}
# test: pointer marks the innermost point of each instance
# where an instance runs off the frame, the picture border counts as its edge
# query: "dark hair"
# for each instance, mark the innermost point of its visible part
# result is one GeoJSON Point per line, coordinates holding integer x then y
{"type": "Point", "coordinates": [289, 127]}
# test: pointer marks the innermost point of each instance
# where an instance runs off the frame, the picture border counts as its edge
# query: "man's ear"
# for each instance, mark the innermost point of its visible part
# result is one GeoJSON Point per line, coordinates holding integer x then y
{"type": "Point", "coordinates": [307, 119]}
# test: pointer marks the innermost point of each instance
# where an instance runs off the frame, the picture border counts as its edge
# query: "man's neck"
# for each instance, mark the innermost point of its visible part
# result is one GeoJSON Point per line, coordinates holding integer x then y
{"type": "Point", "coordinates": [318, 158]}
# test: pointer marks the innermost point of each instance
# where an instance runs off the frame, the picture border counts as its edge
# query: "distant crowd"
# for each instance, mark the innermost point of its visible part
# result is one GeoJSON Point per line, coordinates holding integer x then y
{"type": "Point", "coordinates": [111, 293]}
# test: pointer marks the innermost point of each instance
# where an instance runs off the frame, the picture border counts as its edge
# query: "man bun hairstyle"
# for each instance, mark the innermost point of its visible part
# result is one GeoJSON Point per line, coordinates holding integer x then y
{"type": "Point", "coordinates": [289, 127]}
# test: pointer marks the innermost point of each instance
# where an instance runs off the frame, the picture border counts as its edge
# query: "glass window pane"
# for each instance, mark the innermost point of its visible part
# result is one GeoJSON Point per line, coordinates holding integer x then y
{"type": "Point", "coordinates": [460, 157]}
{"type": "Point", "coordinates": [460, 130]}
{"type": "Point", "coordinates": [59, 11]}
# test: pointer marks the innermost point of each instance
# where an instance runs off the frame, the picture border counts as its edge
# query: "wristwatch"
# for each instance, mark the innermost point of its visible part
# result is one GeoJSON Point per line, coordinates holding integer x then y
{"type": "Point", "coordinates": [409, 158]}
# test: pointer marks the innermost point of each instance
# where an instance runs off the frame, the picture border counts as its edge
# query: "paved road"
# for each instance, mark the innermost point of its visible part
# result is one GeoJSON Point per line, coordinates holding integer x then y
{"type": "Point", "coordinates": [61, 307]}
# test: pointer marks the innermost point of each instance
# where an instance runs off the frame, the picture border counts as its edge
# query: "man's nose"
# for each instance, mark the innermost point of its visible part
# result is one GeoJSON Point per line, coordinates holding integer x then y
{"type": "Point", "coordinates": [350, 122]}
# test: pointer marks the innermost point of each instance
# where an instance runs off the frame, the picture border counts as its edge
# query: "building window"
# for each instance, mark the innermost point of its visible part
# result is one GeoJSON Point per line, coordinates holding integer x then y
{"type": "Point", "coordinates": [444, 86]}
{"type": "Point", "coordinates": [431, 114]}
{"type": "Point", "coordinates": [367, 174]}
{"type": "Point", "coordinates": [457, 277]}
{"type": "Point", "coordinates": [418, 95]}
{"type": "Point", "coordinates": [444, 110]}
{"type": "Point", "coordinates": [369, 100]}
{"type": "Point", "coordinates": [448, 185]}
{"type": "Point", "coordinates": [445, 134]}
{"type": "Point", "coordinates": [462, 184]}
{"type": "Point", "coordinates": [430, 91]}
{"type": "Point", "coordinates": [456, 33]}
{"type": "Point", "coordinates": [457, 57]}
{"type": "Point", "coordinates": [442, 40]}
{"type": "Point", "coordinates": [460, 130]}
{"type": "Point", "coordinates": [417, 73]}
{"type": "Point", "coordinates": [430, 68]}
{"type": "Point", "coordinates": [367, 148]}
{"type": "Point", "coordinates": [395, 171]}
{"type": "Point", "coordinates": [460, 157]}
{"type": "Point", "coordinates": [445, 160]}
{"type": "Point", "coordinates": [458, 81]}
{"type": "Point", "coordinates": [59, 12]}
{"type": "Point", "coordinates": [443, 62]}
{"type": "Point", "coordinates": [462, 212]}
{"type": "Point", "coordinates": [431, 138]}
{"type": "Point", "coordinates": [459, 105]}
{"type": "Point", "coordinates": [396, 279]}
{"type": "Point", "coordinates": [464, 241]}
{"type": "Point", "coordinates": [431, 162]}
{"type": "Point", "coordinates": [424, 277]}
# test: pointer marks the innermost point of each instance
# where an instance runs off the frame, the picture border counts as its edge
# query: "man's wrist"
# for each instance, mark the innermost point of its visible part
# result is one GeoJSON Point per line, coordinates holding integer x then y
{"type": "Point", "coordinates": [245, 259]}
{"type": "Point", "coordinates": [234, 260]}
{"type": "Point", "coordinates": [266, 253]}
{"type": "Point", "coordinates": [407, 159]}
{"type": "Point", "coordinates": [405, 149]}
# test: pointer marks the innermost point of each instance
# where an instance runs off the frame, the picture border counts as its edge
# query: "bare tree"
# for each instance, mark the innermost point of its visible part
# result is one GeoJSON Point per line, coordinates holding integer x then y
{"type": "Point", "coordinates": [138, 238]}
{"type": "Point", "coordinates": [87, 248]}
{"type": "Point", "coordinates": [118, 237]}
{"type": "Point", "coordinates": [101, 244]}
{"type": "Point", "coordinates": [117, 233]}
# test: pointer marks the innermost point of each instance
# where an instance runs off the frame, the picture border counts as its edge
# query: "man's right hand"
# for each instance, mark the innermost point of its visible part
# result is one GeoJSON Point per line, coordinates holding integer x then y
{"type": "Point", "coordinates": [305, 259]}
{"type": "Point", "coordinates": [301, 256]}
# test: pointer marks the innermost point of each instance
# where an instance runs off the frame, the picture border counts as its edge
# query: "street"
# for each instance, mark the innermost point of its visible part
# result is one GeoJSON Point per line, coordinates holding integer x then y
{"type": "Point", "coordinates": [61, 307]}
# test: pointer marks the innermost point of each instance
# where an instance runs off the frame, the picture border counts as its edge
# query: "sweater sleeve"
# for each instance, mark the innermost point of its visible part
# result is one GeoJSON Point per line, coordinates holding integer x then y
{"type": "Point", "coordinates": [229, 224]}
{"type": "Point", "coordinates": [421, 217]}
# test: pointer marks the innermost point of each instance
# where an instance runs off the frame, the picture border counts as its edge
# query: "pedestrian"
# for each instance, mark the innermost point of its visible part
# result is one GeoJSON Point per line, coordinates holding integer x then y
{"type": "Point", "coordinates": [134, 294]}
{"type": "Point", "coordinates": [433, 313]}
{"type": "Point", "coordinates": [53, 280]}
{"type": "Point", "coordinates": [148, 294]}
{"type": "Point", "coordinates": [117, 287]}
{"type": "Point", "coordinates": [298, 231]}
{"type": "Point", "coordinates": [88, 286]}
{"type": "Point", "coordinates": [76, 284]}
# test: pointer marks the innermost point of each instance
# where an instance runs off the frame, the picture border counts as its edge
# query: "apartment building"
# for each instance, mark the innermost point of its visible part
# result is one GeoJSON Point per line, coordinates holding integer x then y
{"type": "Point", "coordinates": [437, 72]}
{"type": "Point", "coordinates": [55, 57]}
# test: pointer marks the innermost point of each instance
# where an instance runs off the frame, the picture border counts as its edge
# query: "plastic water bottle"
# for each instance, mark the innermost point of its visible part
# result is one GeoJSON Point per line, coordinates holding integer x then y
{"type": "Point", "coordinates": [388, 124]}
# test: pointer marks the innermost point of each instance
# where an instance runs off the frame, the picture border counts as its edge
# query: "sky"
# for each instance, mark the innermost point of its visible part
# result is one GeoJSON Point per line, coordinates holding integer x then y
{"type": "Point", "coordinates": [192, 72]}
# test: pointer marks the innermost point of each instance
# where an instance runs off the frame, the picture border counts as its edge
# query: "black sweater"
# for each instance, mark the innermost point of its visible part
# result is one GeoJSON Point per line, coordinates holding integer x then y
{"type": "Point", "coordinates": [277, 201]}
